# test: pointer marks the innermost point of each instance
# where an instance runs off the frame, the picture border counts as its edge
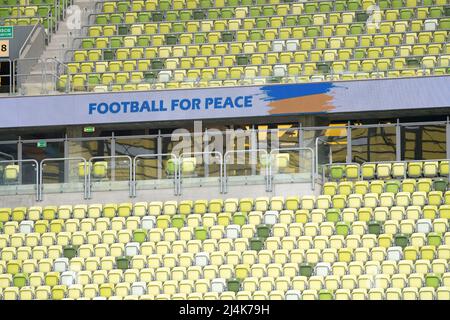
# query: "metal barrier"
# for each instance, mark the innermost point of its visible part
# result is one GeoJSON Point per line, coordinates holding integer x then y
{"type": "Point", "coordinates": [22, 67]}
{"type": "Point", "coordinates": [159, 158]}
{"type": "Point", "coordinates": [57, 69]}
{"type": "Point", "coordinates": [65, 171]}
{"type": "Point", "coordinates": [28, 45]}
{"type": "Point", "coordinates": [14, 179]}
{"type": "Point", "coordinates": [206, 156]}
{"type": "Point", "coordinates": [300, 149]}
{"type": "Point", "coordinates": [317, 142]}
{"type": "Point", "coordinates": [253, 164]}
{"type": "Point", "coordinates": [109, 174]}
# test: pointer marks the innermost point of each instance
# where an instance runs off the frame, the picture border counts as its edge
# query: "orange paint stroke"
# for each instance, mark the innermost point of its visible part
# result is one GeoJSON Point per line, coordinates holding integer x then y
{"type": "Point", "coordinates": [305, 104]}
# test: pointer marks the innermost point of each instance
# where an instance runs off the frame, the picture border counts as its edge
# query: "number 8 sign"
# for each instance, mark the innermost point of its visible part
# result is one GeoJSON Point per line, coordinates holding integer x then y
{"type": "Point", "coordinates": [4, 48]}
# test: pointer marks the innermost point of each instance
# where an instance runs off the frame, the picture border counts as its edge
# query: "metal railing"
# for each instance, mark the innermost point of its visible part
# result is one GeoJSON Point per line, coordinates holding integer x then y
{"type": "Point", "coordinates": [55, 69]}
{"type": "Point", "coordinates": [111, 170]}
{"type": "Point", "coordinates": [282, 150]}
{"type": "Point", "coordinates": [22, 68]}
{"type": "Point", "coordinates": [206, 158]}
{"type": "Point", "coordinates": [253, 153]}
{"type": "Point", "coordinates": [317, 143]}
{"type": "Point", "coordinates": [159, 158]}
{"type": "Point", "coordinates": [37, 30]}
{"type": "Point", "coordinates": [84, 176]}
{"type": "Point", "coordinates": [17, 179]}
{"type": "Point", "coordinates": [17, 183]}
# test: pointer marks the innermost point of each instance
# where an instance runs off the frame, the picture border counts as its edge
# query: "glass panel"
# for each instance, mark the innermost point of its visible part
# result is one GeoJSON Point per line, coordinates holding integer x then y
{"type": "Point", "coordinates": [283, 136]}
{"type": "Point", "coordinates": [292, 165]}
{"type": "Point", "coordinates": [50, 150]}
{"type": "Point", "coordinates": [323, 153]}
{"type": "Point", "coordinates": [146, 168]}
{"type": "Point", "coordinates": [373, 144]}
{"type": "Point", "coordinates": [337, 139]}
{"type": "Point", "coordinates": [8, 151]}
{"type": "Point", "coordinates": [200, 169]}
{"type": "Point", "coordinates": [155, 172]}
{"type": "Point", "coordinates": [18, 177]}
{"type": "Point", "coordinates": [288, 137]}
{"type": "Point", "coordinates": [182, 142]}
{"type": "Point", "coordinates": [5, 80]}
{"type": "Point", "coordinates": [63, 175]}
{"type": "Point", "coordinates": [246, 167]}
{"type": "Point", "coordinates": [434, 142]}
{"type": "Point", "coordinates": [333, 143]}
{"type": "Point", "coordinates": [110, 173]}
{"type": "Point", "coordinates": [87, 149]}
{"type": "Point", "coordinates": [423, 142]}
{"type": "Point", "coordinates": [134, 146]}
{"type": "Point", "coordinates": [244, 163]}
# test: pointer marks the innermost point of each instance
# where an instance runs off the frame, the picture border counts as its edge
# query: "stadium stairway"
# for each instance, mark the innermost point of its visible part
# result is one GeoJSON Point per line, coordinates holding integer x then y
{"type": "Point", "coordinates": [58, 45]}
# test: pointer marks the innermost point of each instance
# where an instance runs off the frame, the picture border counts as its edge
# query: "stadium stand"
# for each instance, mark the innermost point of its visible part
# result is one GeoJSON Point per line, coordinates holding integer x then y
{"type": "Point", "coordinates": [362, 238]}
{"type": "Point", "coordinates": [31, 12]}
{"type": "Point", "coordinates": [137, 45]}
{"type": "Point", "coordinates": [347, 196]}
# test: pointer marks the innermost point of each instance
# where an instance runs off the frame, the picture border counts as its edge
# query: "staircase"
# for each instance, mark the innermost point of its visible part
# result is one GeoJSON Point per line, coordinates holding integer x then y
{"type": "Point", "coordinates": [41, 78]}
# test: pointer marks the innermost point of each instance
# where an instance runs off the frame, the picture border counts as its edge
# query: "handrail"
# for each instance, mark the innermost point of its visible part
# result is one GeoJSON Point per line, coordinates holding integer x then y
{"type": "Point", "coordinates": [159, 156]}
{"type": "Point", "coordinates": [55, 75]}
{"type": "Point", "coordinates": [17, 75]}
{"type": "Point", "coordinates": [216, 153]}
{"type": "Point", "coordinates": [7, 155]}
{"type": "Point", "coordinates": [225, 176]}
{"type": "Point", "coordinates": [28, 38]}
{"type": "Point", "coordinates": [36, 168]}
{"type": "Point", "coordinates": [278, 150]}
{"type": "Point", "coordinates": [319, 139]}
{"type": "Point", "coordinates": [113, 158]}
{"type": "Point", "coordinates": [41, 173]}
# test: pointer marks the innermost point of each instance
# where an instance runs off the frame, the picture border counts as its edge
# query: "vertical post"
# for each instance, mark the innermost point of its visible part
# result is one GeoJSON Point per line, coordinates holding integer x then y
{"type": "Point", "coordinates": [205, 156]}
{"type": "Point", "coordinates": [66, 162]}
{"type": "Point", "coordinates": [11, 76]}
{"type": "Point", "coordinates": [300, 145]}
{"type": "Point", "coordinates": [447, 136]}
{"type": "Point", "coordinates": [349, 142]}
{"type": "Point", "coordinates": [301, 142]}
{"type": "Point", "coordinates": [398, 141]}
{"type": "Point", "coordinates": [113, 160]}
{"type": "Point", "coordinates": [253, 146]}
{"type": "Point", "coordinates": [447, 133]}
{"type": "Point", "coordinates": [19, 158]}
{"type": "Point", "coordinates": [159, 151]}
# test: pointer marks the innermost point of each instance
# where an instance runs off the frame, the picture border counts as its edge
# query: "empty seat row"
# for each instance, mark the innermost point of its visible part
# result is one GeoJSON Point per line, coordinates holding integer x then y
{"type": "Point", "coordinates": [388, 170]}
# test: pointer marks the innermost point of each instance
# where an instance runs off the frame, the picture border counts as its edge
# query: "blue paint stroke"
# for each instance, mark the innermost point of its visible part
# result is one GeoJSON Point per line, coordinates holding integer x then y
{"type": "Point", "coordinates": [289, 91]}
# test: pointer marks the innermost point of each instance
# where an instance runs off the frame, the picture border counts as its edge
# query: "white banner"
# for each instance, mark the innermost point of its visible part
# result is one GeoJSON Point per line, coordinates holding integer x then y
{"type": "Point", "coordinates": [226, 102]}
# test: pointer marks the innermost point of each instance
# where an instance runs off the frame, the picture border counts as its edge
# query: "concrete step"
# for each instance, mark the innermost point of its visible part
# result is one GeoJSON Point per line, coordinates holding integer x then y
{"type": "Point", "coordinates": [60, 42]}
